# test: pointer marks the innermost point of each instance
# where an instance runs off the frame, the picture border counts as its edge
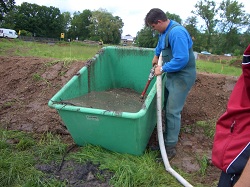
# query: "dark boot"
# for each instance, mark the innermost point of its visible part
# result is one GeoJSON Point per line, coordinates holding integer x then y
{"type": "Point", "coordinates": [171, 151]}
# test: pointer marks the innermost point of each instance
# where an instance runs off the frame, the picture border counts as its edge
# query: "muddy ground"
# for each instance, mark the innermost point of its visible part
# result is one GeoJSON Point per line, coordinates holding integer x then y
{"type": "Point", "coordinates": [27, 84]}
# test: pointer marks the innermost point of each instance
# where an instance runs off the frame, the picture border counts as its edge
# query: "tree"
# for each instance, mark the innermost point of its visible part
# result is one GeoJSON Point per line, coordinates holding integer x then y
{"type": "Point", "coordinates": [232, 16]}
{"type": "Point", "coordinates": [147, 38]}
{"type": "Point", "coordinates": [191, 25]}
{"type": "Point", "coordinates": [66, 21]}
{"type": "Point", "coordinates": [80, 25]}
{"type": "Point", "coordinates": [5, 8]}
{"type": "Point", "coordinates": [232, 21]}
{"type": "Point", "coordinates": [174, 17]}
{"type": "Point", "coordinates": [104, 26]}
{"type": "Point", "coordinates": [9, 21]}
{"type": "Point", "coordinates": [39, 20]}
{"type": "Point", "coordinates": [207, 11]}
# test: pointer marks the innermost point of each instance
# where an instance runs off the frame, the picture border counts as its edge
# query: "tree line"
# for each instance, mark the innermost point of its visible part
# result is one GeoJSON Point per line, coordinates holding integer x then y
{"type": "Point", "coordinates": [216, 27]}
{"type": "Point", "coordinates": [41, 21]}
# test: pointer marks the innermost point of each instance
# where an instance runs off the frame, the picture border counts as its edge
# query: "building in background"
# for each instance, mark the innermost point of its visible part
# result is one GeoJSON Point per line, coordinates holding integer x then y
{"type": "Point", "coordinates": [127, 40]}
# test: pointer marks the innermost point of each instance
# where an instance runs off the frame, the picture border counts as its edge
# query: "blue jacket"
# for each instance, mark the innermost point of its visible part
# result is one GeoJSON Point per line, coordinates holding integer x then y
{"type": "Point", "coordinates": [180, 42]}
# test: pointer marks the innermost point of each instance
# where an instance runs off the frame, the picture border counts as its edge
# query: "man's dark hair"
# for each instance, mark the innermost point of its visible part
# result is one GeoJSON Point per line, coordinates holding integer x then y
{"type": "Point", "coordinates": [154, 15]}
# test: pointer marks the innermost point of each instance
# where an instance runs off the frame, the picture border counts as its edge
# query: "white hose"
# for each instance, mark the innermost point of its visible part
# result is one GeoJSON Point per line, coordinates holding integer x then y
{"type": "Point", "coordinates": [160, 132]}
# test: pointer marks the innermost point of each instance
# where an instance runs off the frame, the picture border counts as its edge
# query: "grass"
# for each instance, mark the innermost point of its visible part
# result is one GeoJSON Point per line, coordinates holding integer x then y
{"type": "Point", "coordinates": [62, 50]}
{"type": "Point", "coordinates": [6, 104]}
{"type": "Point", "coordinates": [208, 127]}
{"type": "Point", "coordinates": [36, 77]}
{"type": "Point", "coordinates": [20, 152]}
{"type": "Point", "coordinates": [218, 68]}
{"type": "Point", "coordinates": [203, 162]}
{"type": "Point", "coordinates": [128, 170]}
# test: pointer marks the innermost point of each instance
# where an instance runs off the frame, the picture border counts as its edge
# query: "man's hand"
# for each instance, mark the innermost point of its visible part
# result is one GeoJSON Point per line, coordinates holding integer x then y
{"type": "Point", "coordinates": [155, 60]}
{"type": "Point", "coordinates": [158, 70]}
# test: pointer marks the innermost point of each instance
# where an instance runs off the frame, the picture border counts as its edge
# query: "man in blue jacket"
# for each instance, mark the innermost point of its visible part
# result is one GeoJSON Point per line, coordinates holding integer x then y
{"type": "Point", "coordinates": [175, 44]}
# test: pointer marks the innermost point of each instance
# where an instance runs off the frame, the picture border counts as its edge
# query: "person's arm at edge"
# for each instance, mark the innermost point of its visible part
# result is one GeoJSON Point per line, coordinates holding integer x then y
{"type": "Point", "coordinates": [244, 180]}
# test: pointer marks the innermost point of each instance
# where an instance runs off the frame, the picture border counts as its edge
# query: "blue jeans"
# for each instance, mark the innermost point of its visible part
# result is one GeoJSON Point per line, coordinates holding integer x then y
{"type": "Point", "coordinates": [176, 91]}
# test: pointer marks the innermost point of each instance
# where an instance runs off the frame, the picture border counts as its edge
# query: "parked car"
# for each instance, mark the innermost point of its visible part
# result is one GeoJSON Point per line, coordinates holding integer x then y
{"type": "Point", "coordinates": [228, 54]}
{"type": "Point", "coordinates": [205, 53]}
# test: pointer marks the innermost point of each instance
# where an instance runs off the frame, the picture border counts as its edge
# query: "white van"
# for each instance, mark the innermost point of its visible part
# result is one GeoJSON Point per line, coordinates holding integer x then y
{"type": "Point", "coordinates": [8, 33]}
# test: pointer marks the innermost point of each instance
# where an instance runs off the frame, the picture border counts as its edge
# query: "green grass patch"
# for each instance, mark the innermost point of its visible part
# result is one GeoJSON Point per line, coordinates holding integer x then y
{"type": "Point", "coordinates": [66, 62]}
{"type": "Point", "coordinates": [208, 127]}
{"type": "Point", "coordinates": [37, 77]}
{"type": "Point", "coordinates": [204, 163]}
{"type": "Point", "coordinates": [5, 45]}
{"type": "Point", "coordinates": [218, 68]}
{"type": "Point", "coordinates": [68, 51]}
{"type": "Point", "coordinates": [7, 104]}
{"type": "Point", "coordinates": [129, 170]}
{"type": "Point", "coordinates": [20, 152]}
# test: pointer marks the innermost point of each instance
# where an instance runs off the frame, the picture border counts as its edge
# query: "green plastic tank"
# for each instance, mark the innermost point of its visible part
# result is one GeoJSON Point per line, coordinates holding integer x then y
{"type": "Point", "coordinates": [123, 132]}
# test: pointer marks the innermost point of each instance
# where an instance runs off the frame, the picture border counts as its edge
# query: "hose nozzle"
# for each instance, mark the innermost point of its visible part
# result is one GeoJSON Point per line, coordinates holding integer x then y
{"type": "Point", "coordinates": [150, 77]}
{"type": "Point", "coordinates": [152, 73]}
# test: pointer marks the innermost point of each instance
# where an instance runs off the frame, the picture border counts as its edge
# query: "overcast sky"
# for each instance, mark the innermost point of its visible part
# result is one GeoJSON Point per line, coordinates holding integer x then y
{"type": "Point", "coordinates": [132, 12]}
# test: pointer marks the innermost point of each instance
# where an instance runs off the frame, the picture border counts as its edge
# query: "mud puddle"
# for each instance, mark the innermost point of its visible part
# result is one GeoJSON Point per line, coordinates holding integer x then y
{"type": "Point", "coordinates": [119, 99]}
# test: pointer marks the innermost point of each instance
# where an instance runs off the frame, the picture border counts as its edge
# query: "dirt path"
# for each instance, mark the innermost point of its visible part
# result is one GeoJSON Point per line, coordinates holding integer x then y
{"type": "Point", "coordinates": [27, 84]}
